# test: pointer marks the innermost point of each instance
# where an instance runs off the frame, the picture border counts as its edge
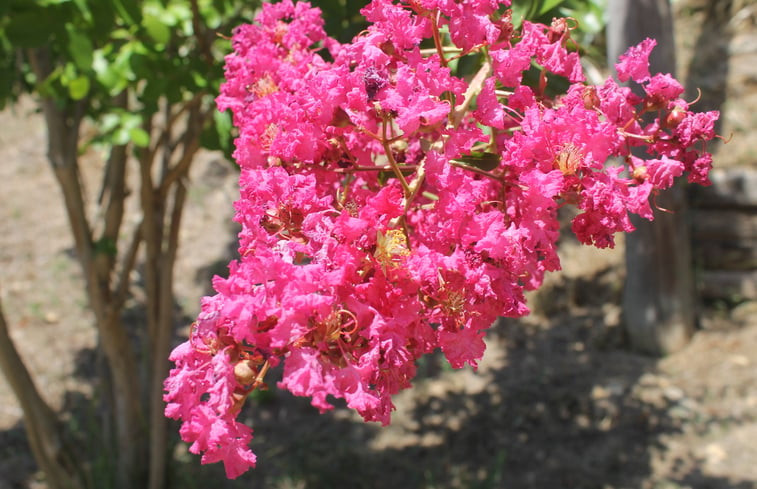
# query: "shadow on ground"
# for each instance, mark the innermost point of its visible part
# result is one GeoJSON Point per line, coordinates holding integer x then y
{"type": "Point", "coordinates": [565, 406]}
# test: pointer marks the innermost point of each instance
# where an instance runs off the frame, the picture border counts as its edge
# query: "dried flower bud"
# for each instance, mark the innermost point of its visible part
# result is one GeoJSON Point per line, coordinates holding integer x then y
{"type": "Point", "coordinates": [590, 98]}
{"type": "Point", "coordinates": [244, 373]}
{"type": "Point", "coordinates": [557, 29]}
{"type": "Point", "coordinates": [640, 173]}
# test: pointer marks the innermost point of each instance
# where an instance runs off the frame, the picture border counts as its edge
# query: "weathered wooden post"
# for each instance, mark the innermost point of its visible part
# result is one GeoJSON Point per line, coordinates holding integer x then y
{"type": "Point", "coordinates": [658, 300]}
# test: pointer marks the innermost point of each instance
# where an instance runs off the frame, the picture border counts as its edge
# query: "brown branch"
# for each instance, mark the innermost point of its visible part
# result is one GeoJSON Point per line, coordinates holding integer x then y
{"type": "Point", "coordinates": [438, 39]}
{"type": "Point", "coordinates": [479, 171]}
{"type": "Point", "coordinates": [43, 429]}
{"type": "Point", "coordinates": [62, 139]}
{"type": "Point", "coordinates": [473, 89]}
{"type": "Point", "coordinates": [127, 266]}
{"type": "Point", "coordinates": [63, 136]}
{"type": "Point", "coordinates": [190, 144]}
{"type": "Point", "coordinates": [358, 168]}
{"type": "Point", "coordinates": [202, 41]}
{"type": "Point", "coordinates": [162, 342]}
{"type": "Point", "coordinates": [152, 218]}
{"type": "Point", "coordinates": [390, 157]}
{"type": "Point", "coordinates": [114, 186]}
{"type": "Point", "coordinates": [165, 132]}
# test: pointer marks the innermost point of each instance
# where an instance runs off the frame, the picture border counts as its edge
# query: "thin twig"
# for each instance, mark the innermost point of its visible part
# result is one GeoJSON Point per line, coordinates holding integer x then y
{"type": "Point", "coordinates": [390, 157]}
{"type": "Point", "coordinates": [127, 266]}
{"type": "Point", "coordinates": [474, 88]}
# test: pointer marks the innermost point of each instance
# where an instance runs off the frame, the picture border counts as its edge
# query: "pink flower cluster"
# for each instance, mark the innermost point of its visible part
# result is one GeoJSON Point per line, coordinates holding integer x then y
{"type": "Point", "coordinates": [389, 207]}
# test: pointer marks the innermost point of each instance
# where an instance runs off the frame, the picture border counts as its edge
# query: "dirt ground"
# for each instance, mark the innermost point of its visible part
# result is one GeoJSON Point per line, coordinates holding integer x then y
{"type": "Point", "coordinates": [560, 400]}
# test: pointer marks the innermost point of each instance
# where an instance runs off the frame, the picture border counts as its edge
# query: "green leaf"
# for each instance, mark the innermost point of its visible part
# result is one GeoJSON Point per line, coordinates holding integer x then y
{"type": "Point", "coordinates": [547, 5]}
{"type": "Point", "coordinates": [50, 86]}
{"type": "Point", "coordinates": [80, 48]}
{"type": "Point", "coordinates": [31, 28]}
{"type": "Point", "coordinates": [84, 9]}
{"type": "Point", "coordinates": [483, 160]}
{"type": "Point", "coordinates": [139, 137]}
{"type": "Point", "coordinates": [115, 73]}
{"type": "Point", "coordinates": [219, 134]}
{"type": "Point", "coordinates": [179, 12]}
{"type": "Point", "coordinates": [78, 88]}
{"type": "Point", "coordinates": [199, 80]}
{"type": "Point", "coordinates": [224, 126]}
{"type": "Point", "coordinates": [156, 28]}
{"type": "Point", "coordinates": [152, 91]}
{"type": "Point", "coordinates": [45, 3]}
{"type": "Point", "coordinates": [120, 136]}
{"type": "Point", "coordinates": [109, 122]}
{"type": "Point", "coordinates": [129, 11]}
{"type": "Point", "coordinates": [521, 11]}
{"type": "Point", "coordinates": [103, 21]}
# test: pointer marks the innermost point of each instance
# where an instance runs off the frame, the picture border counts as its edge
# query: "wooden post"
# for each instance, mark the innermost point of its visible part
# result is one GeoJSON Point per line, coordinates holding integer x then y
{"type": "Point", "coordinates": [658, 300]}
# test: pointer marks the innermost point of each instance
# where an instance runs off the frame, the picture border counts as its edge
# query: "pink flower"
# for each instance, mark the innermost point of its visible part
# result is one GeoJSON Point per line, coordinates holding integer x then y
{"type": "Point", "coordinates": [509, 64]}
{"type": "Point", "coordinates": [663, 87]}
{"type": "Point", "coordinates": [663, 171]}
{"type": "Point", "coordinates": [634, 64]}
{"type": "Point", "coordinates": [389, 208]}
{"type": "Point", "coordinates": [461, 347]}
{"type": "Point", "coordinates": [490, 111]}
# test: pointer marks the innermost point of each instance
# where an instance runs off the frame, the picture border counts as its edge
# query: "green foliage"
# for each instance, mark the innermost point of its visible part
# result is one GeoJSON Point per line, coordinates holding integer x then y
{"type": "Point", "coordinates": [343, 19]}
{"type": "Point", "coordinates": [159, 51]}
{"type": "Point", "coordinates": [588, 14]}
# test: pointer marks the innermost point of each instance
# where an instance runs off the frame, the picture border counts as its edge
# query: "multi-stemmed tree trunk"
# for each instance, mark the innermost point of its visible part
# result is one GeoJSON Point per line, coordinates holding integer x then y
{"type": "Point", "coordinates": [44, 433]}
{"type": "Point", "coordinates": [658, 301]}
{"type": "Point", "coordinates": [139, 439]}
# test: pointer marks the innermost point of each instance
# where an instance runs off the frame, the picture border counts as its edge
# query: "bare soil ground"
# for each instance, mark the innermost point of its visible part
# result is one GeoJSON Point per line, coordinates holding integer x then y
{"type": "Point", "coordinates": [560, 400]}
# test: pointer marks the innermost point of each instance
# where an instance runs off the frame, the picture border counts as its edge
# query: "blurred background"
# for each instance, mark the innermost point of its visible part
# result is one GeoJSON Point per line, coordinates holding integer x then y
{"type": "Point", "coordinates": [116, 192]}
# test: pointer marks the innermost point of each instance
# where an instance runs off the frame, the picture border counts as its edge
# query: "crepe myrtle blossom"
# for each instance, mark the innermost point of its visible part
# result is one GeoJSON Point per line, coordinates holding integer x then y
{"type": "Point", "coordinates": [389, 207]}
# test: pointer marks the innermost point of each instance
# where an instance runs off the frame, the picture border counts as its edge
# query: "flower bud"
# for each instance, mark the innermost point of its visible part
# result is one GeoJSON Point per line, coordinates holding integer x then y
{"type": "Point", "coordinates": [557, 29]}
{"type": "Point", "coordinates": [640, 173]}
{"type": "Point", "coordinates": [674, 117]}
{"type": "Point", "coordinates": [243, 373]}
{"type": "Point", "coordinates": [590, 98]}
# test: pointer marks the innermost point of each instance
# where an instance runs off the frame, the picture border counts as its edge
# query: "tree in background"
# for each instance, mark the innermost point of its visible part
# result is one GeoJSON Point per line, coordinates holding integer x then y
{"type": "Point", "coordinates": [658, 302]}
{"type": "Point", "coordinates": [142, 75]}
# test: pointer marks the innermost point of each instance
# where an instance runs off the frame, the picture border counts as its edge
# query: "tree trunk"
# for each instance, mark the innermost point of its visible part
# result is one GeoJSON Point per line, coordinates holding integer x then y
{"type": "Point", "coordinates": [165, 201]}
{"type": "Point", "coordinates": [63, 123]}
{"type": "Point", "coordinates": [658, 300]}
{"type": "Point", "coordinates": [43, 430]}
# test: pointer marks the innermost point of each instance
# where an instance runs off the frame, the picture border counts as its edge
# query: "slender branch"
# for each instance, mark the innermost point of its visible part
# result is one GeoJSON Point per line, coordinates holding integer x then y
{"type": "Point", "coordinates": [42, 425]}
{"type": "Point", "coordinates": [415, 187]}
{"type": "Point", "coordinates": [445, 49]}
{"type": "Point", "coordinates": [474, 88]}
{"type": "Point", "coordinates": [166, 131]}
{"type": "Point", "coordinates": [438, 40]}
{"type": "Point", "coordinates": [152, 217]}
{"type": "Point", "coordinates": [191, 143]}
{"type": "Point", "coordinates": [390, 157]}
{"type": "Point", "coordinates": [355, 169]}
{"type": "Point", "coordinates": [473, 169]}
{"type": "Point", "coordinates": [198, 31]}
{"type": "Point", "coordinates": [162, 342]}
{"type": "Point", "coordinates": [117, 192]}
{"type": "Point", "coordinates": [168, 146]}
{"type": "Point", "coordinates": [127, 266]}
{"type": "Point", "coordinates": [181, 168]}
{"type": "Point", "coordinates": [114, 185]}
